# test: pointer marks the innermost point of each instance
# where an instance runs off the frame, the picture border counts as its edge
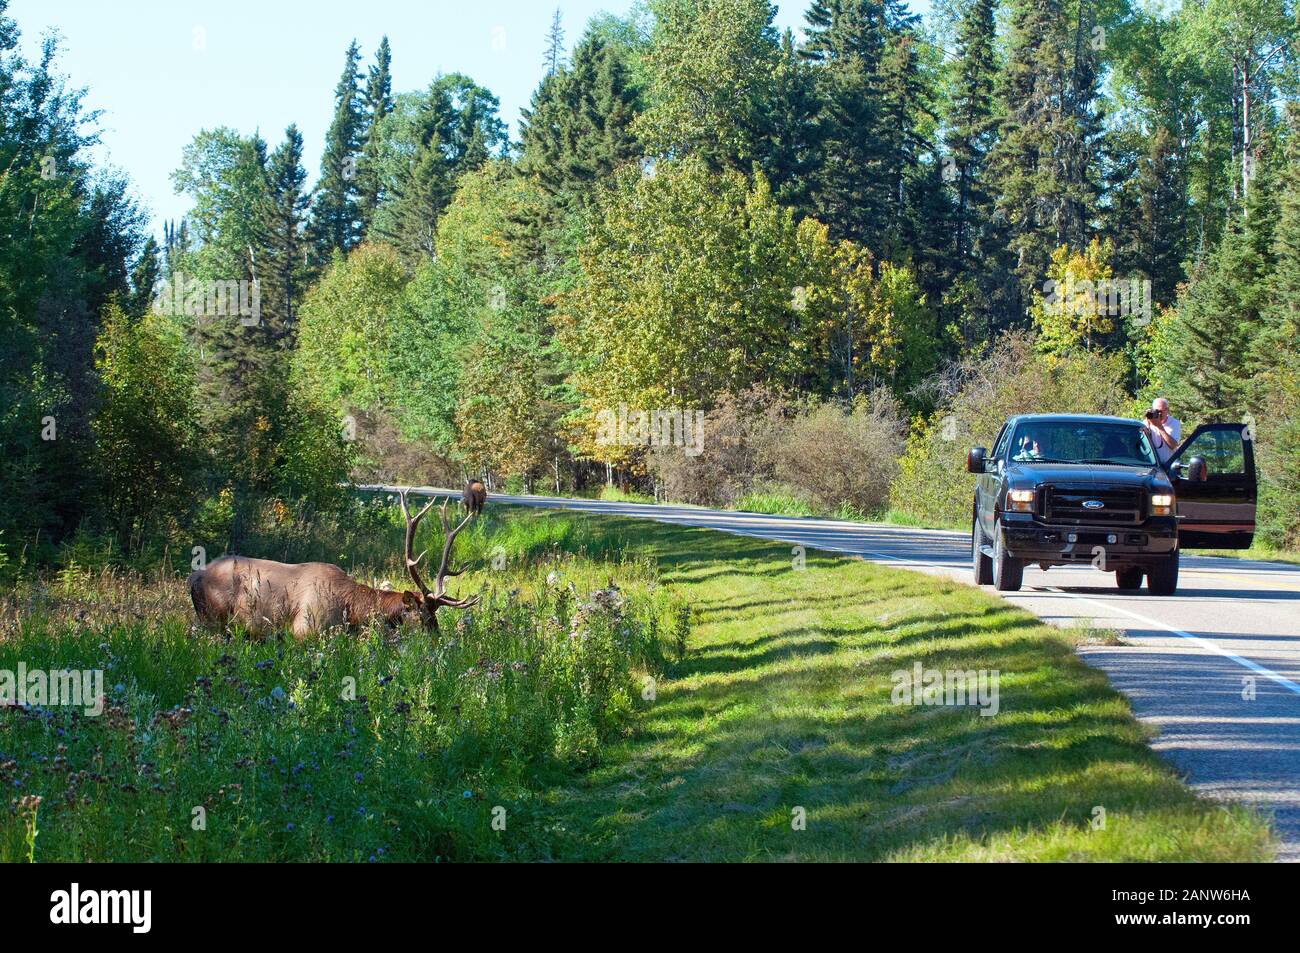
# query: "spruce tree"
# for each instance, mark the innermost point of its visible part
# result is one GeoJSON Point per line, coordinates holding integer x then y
{"type": "Point", "coordinates": [866, 74]}
{"type": "Point", "coordinates": [144, 277]}
{"type": "Point", "coordinates": [336, 216]}
{"type": "Point", "coordinates": [1042, 168]}
{"type": "Point", "coordinates": [284, 265]}
{"type": "Point", "coordinates": [377, 102]}
{"type": "Point", "coordinates": [578, 127]}
{"type": "Point", "coordinates": [971, 123]}
{"type": "Point", "coordinates": [554, 58]}
{"type": "Point", "coordinates": [452, 129]}
{"type": "Point", "coordinates": [790, 149]}
{"type": "Point", "coordinates": [1275, 359]}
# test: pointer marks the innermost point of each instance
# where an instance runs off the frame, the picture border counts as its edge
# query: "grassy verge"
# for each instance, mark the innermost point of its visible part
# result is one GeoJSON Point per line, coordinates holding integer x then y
{"type": "Point", "coordinates": [1259, 551]}
{"type": "Point", "coordinates": [548, 724]}
{"type": "Point", "coordinates": [784, 702]}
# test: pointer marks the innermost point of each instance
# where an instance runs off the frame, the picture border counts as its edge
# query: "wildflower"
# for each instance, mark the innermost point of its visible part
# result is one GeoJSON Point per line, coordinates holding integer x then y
{"type": "Point", "coordinates": [277, 693]}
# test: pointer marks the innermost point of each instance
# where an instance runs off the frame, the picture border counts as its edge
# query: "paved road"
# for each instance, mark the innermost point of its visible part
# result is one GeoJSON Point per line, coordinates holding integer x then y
{"type": "Point", "coordinates": [1185, 663]}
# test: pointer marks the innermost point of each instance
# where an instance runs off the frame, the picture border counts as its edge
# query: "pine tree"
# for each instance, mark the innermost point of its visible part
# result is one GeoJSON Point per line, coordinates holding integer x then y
{"type": "Point", "coordinates": [554, 58]}
{"type": "Point", "coordinates": [336, 217]}
{"type": "Point", "coordinates": [972, 125]}
{"type": "Point", "coordinates": [1041, 168]}
{"type": "Point", "coordinates": [144, 278]}
{"type": "Point", "coordinates": [284, 265]}
{"type": "Point", "coordinates": [866, 75]}
{"type": "Point", "coordinates": [377, 102]}
{"type": "Point", "coordinates": [578, 127]}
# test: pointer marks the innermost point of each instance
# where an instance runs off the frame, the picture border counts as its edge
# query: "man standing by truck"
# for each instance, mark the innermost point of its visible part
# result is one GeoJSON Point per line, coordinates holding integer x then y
{"type": "Point", "coordinates": [1164, 431]}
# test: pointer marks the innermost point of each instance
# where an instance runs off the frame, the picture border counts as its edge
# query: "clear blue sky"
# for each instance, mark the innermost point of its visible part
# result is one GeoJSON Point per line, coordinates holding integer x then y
{"type": "Point", "coordinates": [161, 71]}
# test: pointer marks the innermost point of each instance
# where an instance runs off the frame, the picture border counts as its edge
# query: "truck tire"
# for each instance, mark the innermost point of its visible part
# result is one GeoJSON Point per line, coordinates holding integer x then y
{"type": "Point", "coordinates": [1008, 572]}
{"type": "Point", "coordinates": [1129, 578]}
{"type": "Point", "coordinates": [1162, 577]}
{"type": "Point", "coordinates": [982, 565]}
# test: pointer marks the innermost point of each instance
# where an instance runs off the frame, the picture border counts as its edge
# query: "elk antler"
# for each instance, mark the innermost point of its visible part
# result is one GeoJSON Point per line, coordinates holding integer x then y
{"type": "Point", "coordinates": [413, 561]}
{"type": "Point", "coordinates": [438, 597]}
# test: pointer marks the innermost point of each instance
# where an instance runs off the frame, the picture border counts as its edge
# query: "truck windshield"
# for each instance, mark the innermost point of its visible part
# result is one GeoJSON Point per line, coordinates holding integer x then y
{"type": "Point", "coordinates": [1098, 443]}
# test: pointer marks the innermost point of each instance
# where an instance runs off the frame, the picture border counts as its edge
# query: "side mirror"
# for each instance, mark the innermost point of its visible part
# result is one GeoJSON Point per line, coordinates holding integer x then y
{"type": "Point", "coordinates": [975, 460]}
{"type": "Point", "coordinates": [1197, 470]}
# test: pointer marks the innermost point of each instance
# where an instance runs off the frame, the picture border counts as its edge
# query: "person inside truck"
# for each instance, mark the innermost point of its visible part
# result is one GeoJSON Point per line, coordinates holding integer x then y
{"type": "Point", "coordinates": [1027, 447]}
{"type": "Point", "coordinates": [1166, 432]}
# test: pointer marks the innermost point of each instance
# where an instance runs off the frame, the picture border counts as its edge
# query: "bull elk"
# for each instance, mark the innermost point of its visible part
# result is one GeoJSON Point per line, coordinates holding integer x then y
{"type": "Point", "coordinates": [267, 596]}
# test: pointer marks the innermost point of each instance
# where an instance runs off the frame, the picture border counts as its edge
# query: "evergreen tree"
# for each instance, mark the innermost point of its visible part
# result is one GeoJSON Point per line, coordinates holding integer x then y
{"type": "Point", "coordinates": [1205, 349]}
{"type": "Point", "coordinates": [426, 144]}
{"type": "Point", "coordinates": [972, 124]}
{"type": "Point", "coordinates": [554, 58]}
{"type": "Point", "coordinates": [144, 278]}
{"type": "Point", "coordinates": [867, 81]}
{"type": "Point", "coordinates": [336, 215]}
{"type": "Point", "coordinates": [284, 266]}
{"type": "Point", "coordinates": [578, 128]}
{"type": "Point", "coordinates": [790, 149]}
{"type": "Point", "coordinates": [1275, 361]}
{"type": "Point", "coordinates": [377, 103]}
{"type": "Point", "coordinates": [1041, 168]}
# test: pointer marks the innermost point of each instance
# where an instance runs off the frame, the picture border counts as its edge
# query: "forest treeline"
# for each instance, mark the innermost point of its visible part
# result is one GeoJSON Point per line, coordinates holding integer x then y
{"type": "Point", "coordinates": [855, 251]}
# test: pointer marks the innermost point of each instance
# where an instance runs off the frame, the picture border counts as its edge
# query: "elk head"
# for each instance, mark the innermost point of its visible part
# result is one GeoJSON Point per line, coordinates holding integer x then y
{"type": "Point", "coordinates": [428, 602]}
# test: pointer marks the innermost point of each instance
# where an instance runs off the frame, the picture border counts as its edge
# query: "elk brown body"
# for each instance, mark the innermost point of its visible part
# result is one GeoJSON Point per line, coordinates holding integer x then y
{"type": "Point", "coordinates": [268, 596]}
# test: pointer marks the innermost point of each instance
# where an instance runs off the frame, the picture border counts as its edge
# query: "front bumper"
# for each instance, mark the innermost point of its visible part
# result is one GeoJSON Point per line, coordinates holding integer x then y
{"type": "Point", "coordinates": [1027, 538]}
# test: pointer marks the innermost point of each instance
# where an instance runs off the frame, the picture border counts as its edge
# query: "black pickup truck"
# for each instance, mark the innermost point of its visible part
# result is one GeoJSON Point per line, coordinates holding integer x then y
{"type": "Point", "coordinates": [1062, 489]}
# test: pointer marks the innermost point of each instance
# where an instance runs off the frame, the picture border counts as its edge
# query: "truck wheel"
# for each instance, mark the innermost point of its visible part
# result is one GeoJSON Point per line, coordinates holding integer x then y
{"type": "Point", "coordinates": [983, 566]}
{"type": "Point", "coordinates": [1129, 578]}
{"type": "Point", "coordinates": [1008, 572]}
{"type": "Point", "coordinates": [1162, 577]}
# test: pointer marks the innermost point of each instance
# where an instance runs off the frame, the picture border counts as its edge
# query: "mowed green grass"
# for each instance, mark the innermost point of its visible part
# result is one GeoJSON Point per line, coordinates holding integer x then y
{"type": "Point", "coordinates": [784, 702]}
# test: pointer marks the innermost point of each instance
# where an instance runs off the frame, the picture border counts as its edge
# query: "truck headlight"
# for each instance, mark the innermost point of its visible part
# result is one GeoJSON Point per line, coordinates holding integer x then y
{"type": "Point", "coordinates": [1162, 504]}
{"type": "Point", "coordinates": [1020, 501]}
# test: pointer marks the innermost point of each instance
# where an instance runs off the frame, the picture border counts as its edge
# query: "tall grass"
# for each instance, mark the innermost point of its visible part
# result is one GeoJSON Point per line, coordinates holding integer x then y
{"type": "Point", "coordinates": [369, 746]}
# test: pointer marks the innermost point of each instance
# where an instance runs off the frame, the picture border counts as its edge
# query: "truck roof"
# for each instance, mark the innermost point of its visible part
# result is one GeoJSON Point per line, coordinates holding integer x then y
{"type": "Point", "coordinates": [1076, 418]}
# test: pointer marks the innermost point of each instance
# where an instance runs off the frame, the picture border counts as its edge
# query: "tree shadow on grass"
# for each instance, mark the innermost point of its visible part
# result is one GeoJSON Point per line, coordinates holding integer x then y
{"type": "Point", "coordinates": [782, 715]}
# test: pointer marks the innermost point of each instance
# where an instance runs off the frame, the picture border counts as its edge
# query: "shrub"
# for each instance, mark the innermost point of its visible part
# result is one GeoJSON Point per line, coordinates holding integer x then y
{"type": "Point", "coordinates": [974, 398]}
{"type": "Point", "coordinates": [835, 458]}
{"type": "Point", "coordinates": [737, 435]}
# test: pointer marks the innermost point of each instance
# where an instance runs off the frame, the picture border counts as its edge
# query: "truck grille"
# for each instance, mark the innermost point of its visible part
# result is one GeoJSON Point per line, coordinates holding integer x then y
{"type": "Point", "coordinates": [1065, 504]}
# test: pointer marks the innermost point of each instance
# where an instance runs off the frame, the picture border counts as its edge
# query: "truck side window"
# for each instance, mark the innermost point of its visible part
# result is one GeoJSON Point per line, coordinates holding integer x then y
{"type": "Point", "coordinates": [1222, 450]}
{"type": "Point", "coordinates": [1000, 444]}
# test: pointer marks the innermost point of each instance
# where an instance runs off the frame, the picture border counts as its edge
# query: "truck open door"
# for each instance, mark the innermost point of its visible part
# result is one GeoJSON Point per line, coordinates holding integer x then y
{"type": "Point", "coordinates": [1213, 473]}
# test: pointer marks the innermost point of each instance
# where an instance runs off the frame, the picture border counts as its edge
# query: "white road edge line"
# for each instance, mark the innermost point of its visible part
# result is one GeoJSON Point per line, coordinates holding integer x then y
{"type": "Point", "coordinates": [1202, 642]}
